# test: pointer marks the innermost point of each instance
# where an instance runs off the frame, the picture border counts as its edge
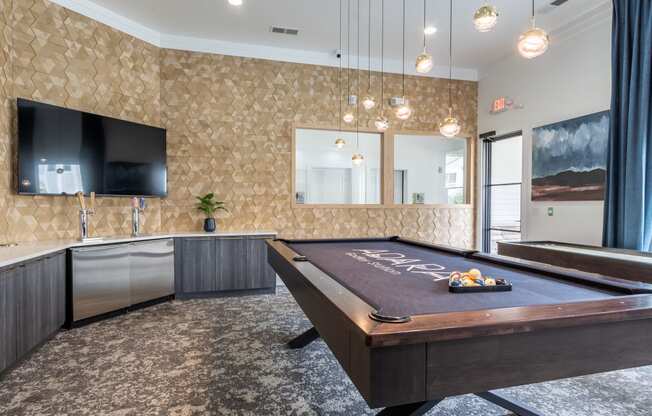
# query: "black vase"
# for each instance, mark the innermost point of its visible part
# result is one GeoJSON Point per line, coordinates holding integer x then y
{"type": "Point", "coordinates": [209, 225]}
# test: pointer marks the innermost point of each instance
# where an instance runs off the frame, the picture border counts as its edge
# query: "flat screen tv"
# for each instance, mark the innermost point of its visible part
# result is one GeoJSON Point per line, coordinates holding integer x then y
{"type": "Point", "coordinates": [63, 151]}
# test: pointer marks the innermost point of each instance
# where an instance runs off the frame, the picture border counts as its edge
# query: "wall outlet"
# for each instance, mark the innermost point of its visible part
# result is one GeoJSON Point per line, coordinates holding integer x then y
{"type": "Point", "coordinates": [551, 211]}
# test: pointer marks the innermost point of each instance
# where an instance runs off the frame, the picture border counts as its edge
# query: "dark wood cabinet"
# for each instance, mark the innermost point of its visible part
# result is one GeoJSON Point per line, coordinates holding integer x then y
{"type": "Point", "coordinates": [32, 305]}
{"type": "Point", "coordinates": [258, 272]}
{"type": "Point", "coordinates": [198, 265]}
{"type": "Point", "coordinates": [230, 258]}
{"type": "Point", "coordinates": [9, 280]}
{"type": "Point", "coordinates": [222, 264]}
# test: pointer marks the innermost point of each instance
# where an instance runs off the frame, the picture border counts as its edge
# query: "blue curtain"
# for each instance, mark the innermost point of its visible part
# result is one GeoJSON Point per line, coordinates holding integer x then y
{"type": "Point", "coordinates": [628, 200]}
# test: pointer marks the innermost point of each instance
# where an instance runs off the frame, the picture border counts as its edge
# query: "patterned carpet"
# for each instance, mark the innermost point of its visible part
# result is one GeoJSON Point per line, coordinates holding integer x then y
{"type": "Point", "coordinates": [227, 357]}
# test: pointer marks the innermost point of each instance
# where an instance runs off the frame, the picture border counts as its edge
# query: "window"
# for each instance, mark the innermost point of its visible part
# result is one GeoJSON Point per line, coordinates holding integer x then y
{"type": "Point", "coordinates": [326, 174]}
{"type": "Point", "coordinates": [503, 159]}
{"type": "Point", "coordinates": [429, 169]}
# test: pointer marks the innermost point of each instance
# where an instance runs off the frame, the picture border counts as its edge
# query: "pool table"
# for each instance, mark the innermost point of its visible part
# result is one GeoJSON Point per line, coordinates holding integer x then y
{"type": "Point", "coordinates": [616, 262]}
{"type": "Point", "coordinates": [384, 309]}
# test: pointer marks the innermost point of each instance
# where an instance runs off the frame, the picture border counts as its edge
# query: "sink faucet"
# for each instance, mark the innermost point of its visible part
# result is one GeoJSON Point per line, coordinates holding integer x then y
{"type": "Point", "coordinates": [84, 215]}
{"type": "Point", "coordinates": [137, 206]}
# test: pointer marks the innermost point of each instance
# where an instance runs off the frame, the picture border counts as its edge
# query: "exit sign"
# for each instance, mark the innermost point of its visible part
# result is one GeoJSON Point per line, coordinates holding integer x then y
{"type": "Point", "coordinates": [499, 105]}
{"type": "Point", "coordinates": [502, 104]}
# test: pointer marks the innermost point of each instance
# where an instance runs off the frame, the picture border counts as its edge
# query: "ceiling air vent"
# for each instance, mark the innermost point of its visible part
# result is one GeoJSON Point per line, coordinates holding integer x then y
{"type": "Point", "coordinates": [284, 31]}
{"type": "Point", "coordinates": [551, 6]}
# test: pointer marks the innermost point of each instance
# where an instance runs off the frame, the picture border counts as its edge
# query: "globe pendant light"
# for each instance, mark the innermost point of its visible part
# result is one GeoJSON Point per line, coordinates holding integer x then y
{"type": "Point", "coordinates": [348, 117]}
{"type": "Point", "coordinates": [450, 127]}
{"type": "Point", "coordinates": [402, 109]}
{"type": "Point", "coordinates": [382, 123]}
{"type": "Point", "coordinates": [368, 102]}
{"type": "Point", "coordinates": [357, 159]}
{"type": "Point", "coordinates": [485, 18]}
{"type": "Point", "coordinates": [534, 41]}
{"type": "Point", "coordinates": [424, 60]}
{"type": "Point", "coordinates": [339, 141]}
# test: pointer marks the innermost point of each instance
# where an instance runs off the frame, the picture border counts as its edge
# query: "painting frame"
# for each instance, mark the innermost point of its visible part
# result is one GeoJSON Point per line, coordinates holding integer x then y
{"type": "Point", "coordinates": [569, 159]}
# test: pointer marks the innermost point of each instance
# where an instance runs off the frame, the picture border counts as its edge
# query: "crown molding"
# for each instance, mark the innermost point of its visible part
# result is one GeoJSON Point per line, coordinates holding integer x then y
{"type": "Point", "coordinates": [112, 19]}
{"type": "Point", "coordinates": [193, 44]}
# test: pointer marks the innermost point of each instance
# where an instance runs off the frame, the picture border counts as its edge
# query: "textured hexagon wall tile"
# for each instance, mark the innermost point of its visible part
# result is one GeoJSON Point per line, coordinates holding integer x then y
{"type": "Point", "coordinates": [229, 122]}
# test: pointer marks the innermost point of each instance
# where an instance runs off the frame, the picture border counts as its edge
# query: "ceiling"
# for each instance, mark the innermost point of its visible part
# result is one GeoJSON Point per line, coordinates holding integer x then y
{"type": "Point", "coordinates": [214, 24]}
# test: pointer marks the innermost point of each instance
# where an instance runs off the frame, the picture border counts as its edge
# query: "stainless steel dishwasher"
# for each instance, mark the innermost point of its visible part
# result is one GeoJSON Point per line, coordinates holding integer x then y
{"type": "Point", "coordinates": [100, 280]}
{"type": "Point", "coordinates": [152, 270]}
{"type": "Point", "coordinates": [112, 277]}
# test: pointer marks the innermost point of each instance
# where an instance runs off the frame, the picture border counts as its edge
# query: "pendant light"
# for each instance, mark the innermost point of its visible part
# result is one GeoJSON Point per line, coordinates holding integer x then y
{"type": "Point", "coordinates": [424, 60]}
{"type": "Point", "coordinates": [357, 157]}
{"type": "Point", "coordinates": [402, 109]}
{"type": "Point", "coordinates": [348, 116]}
{"type": "Point", "coordinates": [339, 141]}
{"type": "Point", "coordinates": [382, 123]}
{"type": "Point", "coordinates": [534, 41]}
{"type": "Point", "coordinates": [485, 18]}
{"type": "Point", "coordinates": [450, 127]}
{"type": "Point", "coordinates": [368, 102]}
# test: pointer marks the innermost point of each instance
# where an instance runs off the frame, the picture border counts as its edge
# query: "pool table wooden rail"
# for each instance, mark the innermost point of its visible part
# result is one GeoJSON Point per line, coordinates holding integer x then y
{"type": "Point", "coordinates": [440, 355]}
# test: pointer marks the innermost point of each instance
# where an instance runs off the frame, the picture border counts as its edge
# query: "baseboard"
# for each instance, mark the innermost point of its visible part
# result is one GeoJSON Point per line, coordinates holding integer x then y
{"type": "Point", "coordinates": [227, 294]}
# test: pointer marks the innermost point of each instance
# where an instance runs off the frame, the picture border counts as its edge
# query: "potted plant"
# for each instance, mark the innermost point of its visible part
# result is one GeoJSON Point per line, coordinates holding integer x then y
{"type": "Point", "coordinates": [208, 205]}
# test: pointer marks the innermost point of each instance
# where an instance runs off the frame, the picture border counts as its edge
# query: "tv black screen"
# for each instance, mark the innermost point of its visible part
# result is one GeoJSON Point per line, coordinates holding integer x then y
{"type": "Point", "coordinates": [63, 151]}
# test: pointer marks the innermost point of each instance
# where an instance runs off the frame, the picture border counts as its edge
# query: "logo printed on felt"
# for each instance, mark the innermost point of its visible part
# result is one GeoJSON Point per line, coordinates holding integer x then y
{"type": "Point", "coordinates": [390, 262]}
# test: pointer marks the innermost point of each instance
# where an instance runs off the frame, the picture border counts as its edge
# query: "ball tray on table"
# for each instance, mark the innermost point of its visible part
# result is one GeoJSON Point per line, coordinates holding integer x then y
{"type": "Point", "coordinates": [507, 287]}
{"type": "Point", "coordinates": [474, 282]}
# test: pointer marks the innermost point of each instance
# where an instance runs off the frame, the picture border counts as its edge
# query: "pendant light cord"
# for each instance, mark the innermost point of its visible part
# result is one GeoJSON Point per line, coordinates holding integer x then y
{"type": "Point", "coordinates": [369, 62]}
{"type": "Point", "coordinates": [382, 58]}
{"type": "Point", "coordinates": [348, 49]}
{"type": "Point", "coordinates": [450, 58]}
{"type": "Point", "coordinates": [424, 25]}
{"type": "Point", "coordinates": [532, 19]}
{"type": "Point", "coordinates": [339, 74]}
{"type": "Point", "coordinates": [357, 104]}
{"type": "Point", "coordinates": [404, 49]}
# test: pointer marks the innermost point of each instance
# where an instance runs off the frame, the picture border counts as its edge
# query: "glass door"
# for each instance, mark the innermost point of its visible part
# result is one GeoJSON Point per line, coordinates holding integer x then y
{"type": "Point", "coordinates": [503, 169]}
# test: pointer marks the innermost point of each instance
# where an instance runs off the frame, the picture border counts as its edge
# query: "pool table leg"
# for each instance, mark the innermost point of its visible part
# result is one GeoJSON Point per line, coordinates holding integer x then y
{"type": "Point", "coordinates": [304, 339]}
{"type": "Point", "coordinates": [412, 409]}
{"type": "Point", "coordinates": [514, 407]}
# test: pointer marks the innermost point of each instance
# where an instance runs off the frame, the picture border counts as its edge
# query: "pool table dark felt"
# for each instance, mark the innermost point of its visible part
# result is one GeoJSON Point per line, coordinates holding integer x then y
{"type": "Point", "coordinates": [406, 290]}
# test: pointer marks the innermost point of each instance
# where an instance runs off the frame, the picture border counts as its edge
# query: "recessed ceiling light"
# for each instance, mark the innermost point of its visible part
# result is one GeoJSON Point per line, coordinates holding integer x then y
{"type": "Point", "coordinates": [235, 2]}
{"type": "Point", "coordinates": [430, 30]}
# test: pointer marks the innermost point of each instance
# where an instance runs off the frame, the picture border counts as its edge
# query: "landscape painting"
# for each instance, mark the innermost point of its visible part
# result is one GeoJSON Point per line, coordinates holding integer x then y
{"type": "Point", "coordinates": [569, 159]}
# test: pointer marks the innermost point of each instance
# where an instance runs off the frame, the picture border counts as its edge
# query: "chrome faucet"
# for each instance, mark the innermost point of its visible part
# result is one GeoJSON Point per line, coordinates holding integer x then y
{"type": "Point", "coordinates": [84, 215]}
{"type": "Point", "coordinates": [137, 206]}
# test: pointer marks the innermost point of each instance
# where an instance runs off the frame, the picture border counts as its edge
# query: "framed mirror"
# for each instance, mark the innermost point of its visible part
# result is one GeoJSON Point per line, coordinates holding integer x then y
{"type": "Point", "coordinates": [336, 168]}
{"type": "Point", "coordinates": [430, 170]}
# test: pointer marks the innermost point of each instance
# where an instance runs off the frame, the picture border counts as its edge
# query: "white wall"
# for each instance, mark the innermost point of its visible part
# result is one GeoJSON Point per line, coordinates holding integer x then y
{"type": "Point", "coordinates": [572, 79]}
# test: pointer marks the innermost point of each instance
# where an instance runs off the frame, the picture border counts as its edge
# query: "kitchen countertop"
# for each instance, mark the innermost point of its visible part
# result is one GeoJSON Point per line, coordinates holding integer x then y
{"type": "Point", "coordinates": [30, 250]}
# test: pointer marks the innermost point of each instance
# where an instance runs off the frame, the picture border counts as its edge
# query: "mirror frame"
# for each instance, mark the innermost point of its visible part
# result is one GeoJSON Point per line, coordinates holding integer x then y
{"type": "Point", "coordinates": [386, 169]}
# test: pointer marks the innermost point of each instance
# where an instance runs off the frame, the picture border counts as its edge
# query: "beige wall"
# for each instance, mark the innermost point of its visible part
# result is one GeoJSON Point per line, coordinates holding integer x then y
{"type": "Point", "coordinates": [229, 121]}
